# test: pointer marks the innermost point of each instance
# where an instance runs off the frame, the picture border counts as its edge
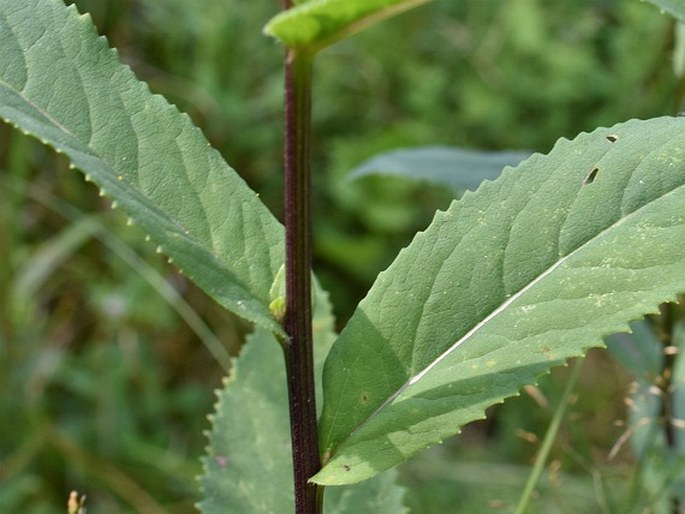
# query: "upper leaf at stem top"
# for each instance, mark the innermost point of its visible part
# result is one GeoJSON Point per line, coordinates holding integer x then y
{"type": "Point", "coordinates": [315, 24]}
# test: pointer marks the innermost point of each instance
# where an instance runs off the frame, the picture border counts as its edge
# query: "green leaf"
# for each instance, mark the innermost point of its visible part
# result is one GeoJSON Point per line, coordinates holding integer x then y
{"type": "Point", "coordinates": [662, 472]}
{"type": "Point", "coordinates": [674, 7]}
{"type": "Point", "coordinates": [511, 280]}
{"type": "Point", "coordinates": [61, 83]}
{"type": "Point", "coordinates": [249, 464]}
{"type": "Point", "coordinates": [380, 495]}
{"type": "Point", "coordinates": [316, 24]}
{"type": "Point", "coordinates": [640, 351]}
{"type": "Point", "coordinates": [455, 168]}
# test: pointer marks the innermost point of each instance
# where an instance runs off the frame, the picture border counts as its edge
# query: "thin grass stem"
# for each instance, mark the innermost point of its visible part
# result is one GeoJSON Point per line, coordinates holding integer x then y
{"type": "Point", "coordinates": [550, 436]}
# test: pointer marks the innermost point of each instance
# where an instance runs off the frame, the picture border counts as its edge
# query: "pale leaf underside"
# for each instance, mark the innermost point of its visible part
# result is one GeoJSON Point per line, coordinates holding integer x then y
{"type": "Point", "coordinates": [511, 280]}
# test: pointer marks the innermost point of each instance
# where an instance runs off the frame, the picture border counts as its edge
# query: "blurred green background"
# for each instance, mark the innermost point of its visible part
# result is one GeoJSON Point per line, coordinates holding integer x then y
{"type": "Point", "coordinates": [105, 372]}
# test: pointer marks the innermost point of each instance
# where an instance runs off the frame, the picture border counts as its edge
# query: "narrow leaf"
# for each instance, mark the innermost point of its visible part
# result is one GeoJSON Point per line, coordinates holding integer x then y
{"type": "Point", "coordinates": [511, 280]}
{"type": "Point", "coordinates": [640, 351]}
{"type": "Point", "coordinates": [316, 24]}
{"type": "Point", "coordinates": [456, 168]}
{"type": "Point", "coordinates": [61, 83]}
{"type": "Point", "coordinates": [249, 464]}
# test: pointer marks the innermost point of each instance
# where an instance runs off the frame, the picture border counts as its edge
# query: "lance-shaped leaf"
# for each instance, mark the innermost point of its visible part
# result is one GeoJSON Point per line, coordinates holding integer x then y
{"type": "Point", "coordinates": [316, 24]}
{"type": "Point", "coordinates": [639, 351]}
{"type": "Point", "coordinates": [249, 466]}
{"type": "Point", "coordinates": [456, 168]}
{"type": "Point", "coordinates": [61, 83]}
{"type": "Point", "coordinates": [511, 280]}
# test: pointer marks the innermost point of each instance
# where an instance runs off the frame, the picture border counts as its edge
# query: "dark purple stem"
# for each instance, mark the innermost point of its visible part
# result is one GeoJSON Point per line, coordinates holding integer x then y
{"type": "Point", "coordinates": [297, 322]}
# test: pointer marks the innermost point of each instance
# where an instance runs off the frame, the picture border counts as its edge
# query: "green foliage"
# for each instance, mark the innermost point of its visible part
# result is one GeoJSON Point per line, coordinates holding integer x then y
{"type": "Point", "coordinates": [93, 396]}
{"type": "Point", "coordinates": [464, 317]}
{"type": "Point", "coordinates": [662, 463]}
{"type": "Point", "coordinates": [561, 72]}
{"type": "Point", "coordinates": [142, 153]}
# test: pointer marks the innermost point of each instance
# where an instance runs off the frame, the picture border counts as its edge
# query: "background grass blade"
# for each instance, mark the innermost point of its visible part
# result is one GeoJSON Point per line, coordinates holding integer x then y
{"type": "Point", "coordinates": [61, 83]}
{"type": "Point", "coordinates": [548, 441]}
{"type": "Point", "coordinates": [511, 280]}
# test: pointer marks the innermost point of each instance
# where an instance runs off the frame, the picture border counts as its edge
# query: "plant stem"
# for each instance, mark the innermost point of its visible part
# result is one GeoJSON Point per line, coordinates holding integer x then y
{"type": "Point", "coordinates": [666, 385]}
{"type": "Point", "coordinates": [298, 298]}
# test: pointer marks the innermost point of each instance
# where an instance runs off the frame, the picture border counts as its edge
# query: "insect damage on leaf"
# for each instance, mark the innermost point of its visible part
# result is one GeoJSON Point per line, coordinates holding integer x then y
{"type": "Point", "coordinates": [591, 176]}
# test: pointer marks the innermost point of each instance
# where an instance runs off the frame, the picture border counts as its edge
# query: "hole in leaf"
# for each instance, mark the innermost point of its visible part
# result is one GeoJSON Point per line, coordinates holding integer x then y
{"type": "Point", "coordinates": [364, 397]}
{"type": "Point", "coordinates": [591, 176]}
{"type": "Point", "coordinates": [612, 138]}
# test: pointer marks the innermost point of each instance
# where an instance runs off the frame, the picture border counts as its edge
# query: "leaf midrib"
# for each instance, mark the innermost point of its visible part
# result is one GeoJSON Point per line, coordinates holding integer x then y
{"type": "Point", "coordinates": [65, 141]}
{"type": "Point", "coordinates": [414, 379]}
{"type": "Point", "coordinates": [93, 153]}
